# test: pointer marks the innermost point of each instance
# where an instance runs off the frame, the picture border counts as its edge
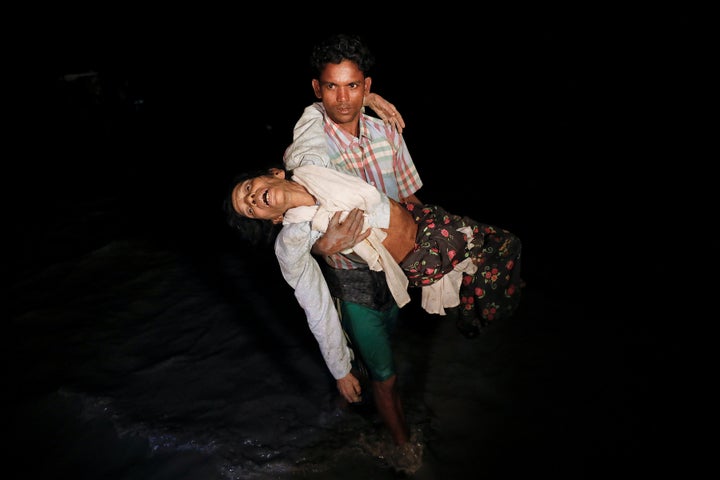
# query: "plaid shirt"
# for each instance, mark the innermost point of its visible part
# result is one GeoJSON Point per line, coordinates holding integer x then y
{"type": "Point", "coordinates": [379, 156]}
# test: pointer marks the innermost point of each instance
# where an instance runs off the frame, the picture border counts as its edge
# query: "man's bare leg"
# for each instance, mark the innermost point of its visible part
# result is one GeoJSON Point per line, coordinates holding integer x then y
{"type": "Point", "coordinates": [389, 406]}
{"type": "Point", "coordinates": [406, 456]}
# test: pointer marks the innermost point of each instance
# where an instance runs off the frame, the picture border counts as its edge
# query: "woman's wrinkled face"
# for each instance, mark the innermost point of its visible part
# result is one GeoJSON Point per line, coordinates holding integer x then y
{"type": "Point", "coordinates": [262, 197]}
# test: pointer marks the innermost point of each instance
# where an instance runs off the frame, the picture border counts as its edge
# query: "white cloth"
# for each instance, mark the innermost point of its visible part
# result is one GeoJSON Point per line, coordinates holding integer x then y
{"type": "Point", "coordinates": [309, 145]}
{"type": "Point", "coordinates": [444, 293]}
{"type": "Point", "coordinates": [337, 191]}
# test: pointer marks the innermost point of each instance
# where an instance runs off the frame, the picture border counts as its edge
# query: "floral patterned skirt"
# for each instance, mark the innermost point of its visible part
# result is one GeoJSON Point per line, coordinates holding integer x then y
{"type": "Point", "coordinates": [493, 292]}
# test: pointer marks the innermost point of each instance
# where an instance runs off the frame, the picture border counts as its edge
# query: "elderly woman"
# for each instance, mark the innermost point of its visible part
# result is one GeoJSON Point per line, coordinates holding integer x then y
{"type": "Point", "coordinates": [455, 259]}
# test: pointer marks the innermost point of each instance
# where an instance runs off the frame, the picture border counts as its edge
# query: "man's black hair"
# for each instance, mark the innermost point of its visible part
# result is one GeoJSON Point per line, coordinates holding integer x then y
{"type": "Point", "coordinates": [339, 47]}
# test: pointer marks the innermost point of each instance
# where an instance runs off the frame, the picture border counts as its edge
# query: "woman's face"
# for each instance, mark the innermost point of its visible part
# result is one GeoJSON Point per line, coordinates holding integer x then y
{"type": "Point", "coordinates": [264, 197]}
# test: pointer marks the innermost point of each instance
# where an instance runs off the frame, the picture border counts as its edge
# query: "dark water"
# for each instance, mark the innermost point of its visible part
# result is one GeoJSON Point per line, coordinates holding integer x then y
{"type": "Point", "coordinates": [142, 360]}
{"type": "Point", "coordinates": [144, 341]}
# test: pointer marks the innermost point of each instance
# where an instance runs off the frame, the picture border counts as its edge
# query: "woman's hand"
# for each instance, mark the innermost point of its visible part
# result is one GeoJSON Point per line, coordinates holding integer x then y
{"type": "Point", "coordinates": [385, 110]}
{"type": "Point", "coordinates": [349, 387]}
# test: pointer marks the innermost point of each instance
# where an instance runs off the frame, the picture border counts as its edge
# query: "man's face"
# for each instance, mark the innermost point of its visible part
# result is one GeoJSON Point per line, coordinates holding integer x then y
{"type": "Point", "coordinates": [342, 88]}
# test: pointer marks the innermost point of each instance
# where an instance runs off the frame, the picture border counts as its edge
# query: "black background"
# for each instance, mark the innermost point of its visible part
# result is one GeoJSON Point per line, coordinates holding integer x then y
{"type": "Point", "coordinates": [551, 125]}
{"type": "Point", "coordinates": [545, 123]}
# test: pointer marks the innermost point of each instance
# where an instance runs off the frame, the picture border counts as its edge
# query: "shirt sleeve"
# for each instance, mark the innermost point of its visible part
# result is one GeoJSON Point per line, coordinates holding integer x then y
{"type": "Point", "coordinates": [408, 179]}
{"type": "Point", "coordinates": [303, 274]}
{"type": "Point", "coordinates": [309, 145]}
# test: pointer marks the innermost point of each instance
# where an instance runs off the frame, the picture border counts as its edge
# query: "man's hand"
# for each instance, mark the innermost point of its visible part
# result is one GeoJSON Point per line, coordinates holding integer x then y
{"type": "Point", "coordinates": [349, 387]}
{"type": "Point", "coordinates": [385, 110]}
{"type": "Point", "coordinates": [341, 236]}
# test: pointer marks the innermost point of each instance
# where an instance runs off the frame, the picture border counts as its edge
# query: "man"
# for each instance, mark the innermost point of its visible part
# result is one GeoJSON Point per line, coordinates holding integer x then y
{"type": "Point", "coordinates": [376, 152]}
